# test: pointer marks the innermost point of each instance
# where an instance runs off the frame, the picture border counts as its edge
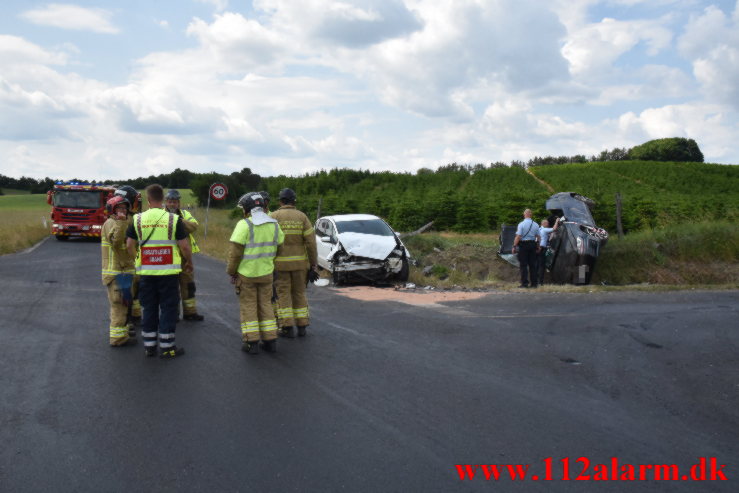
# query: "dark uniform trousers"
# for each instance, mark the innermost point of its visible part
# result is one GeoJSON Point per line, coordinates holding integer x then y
{"type": "Point", "coordinates": [160, 303]}
{"type": "Point", "coordinates": [527, 262]}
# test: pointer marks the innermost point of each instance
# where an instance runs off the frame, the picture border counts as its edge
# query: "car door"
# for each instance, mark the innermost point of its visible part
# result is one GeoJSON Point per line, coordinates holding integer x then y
{"type": "Point", "coordinates": [323, 230]}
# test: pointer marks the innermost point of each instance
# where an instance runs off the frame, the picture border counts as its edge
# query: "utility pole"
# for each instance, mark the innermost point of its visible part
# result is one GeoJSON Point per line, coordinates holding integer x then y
{"type": "Point", "coordinates": [619, 226]}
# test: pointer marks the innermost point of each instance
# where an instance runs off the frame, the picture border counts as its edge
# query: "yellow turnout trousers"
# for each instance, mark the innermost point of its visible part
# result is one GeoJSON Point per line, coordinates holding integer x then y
{"type": "Point", "coordinates": [292, 304]}
{"type": "Point", "coordinates": [118, 315]}
{"type": "Point", "coordinates": [255, 308]}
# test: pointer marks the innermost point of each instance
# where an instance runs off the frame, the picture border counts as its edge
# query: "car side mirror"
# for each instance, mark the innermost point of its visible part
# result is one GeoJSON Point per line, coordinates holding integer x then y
{"type": "Point", "coordinates": [326, 239]}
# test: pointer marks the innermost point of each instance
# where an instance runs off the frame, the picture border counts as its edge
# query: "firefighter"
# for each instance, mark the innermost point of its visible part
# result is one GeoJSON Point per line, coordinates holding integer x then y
{"type": "Point", "coordinates": [295, 259]}
{"type": "Point", "coordinates": [265, 196]}
{"type": "Point", "coordinates": [118, 270]}
{"type": "Point", "coordinates": [162, 244]}
{"type": "Point", "coordinates": [187, 280]}
{"type": "Point", "coordinates": [134, 200]}
{"type": "Point", "coordinates": [254, 245]}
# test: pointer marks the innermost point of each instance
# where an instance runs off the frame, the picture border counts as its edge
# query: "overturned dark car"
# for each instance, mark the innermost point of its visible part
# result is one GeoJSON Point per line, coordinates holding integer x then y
{"type": "Point", "coordinates": [573, 247]}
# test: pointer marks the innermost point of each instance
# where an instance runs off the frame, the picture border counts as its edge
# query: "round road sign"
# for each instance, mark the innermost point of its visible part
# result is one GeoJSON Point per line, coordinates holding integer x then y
{"type": "Point", "coordinates": [218, 191]}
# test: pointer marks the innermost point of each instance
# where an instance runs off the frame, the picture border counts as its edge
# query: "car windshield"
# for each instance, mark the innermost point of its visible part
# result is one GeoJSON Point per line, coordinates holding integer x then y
{"type": "Point", "coordinates": [365, 226]}
{"type": "Point", "coordinates": [82, 200]}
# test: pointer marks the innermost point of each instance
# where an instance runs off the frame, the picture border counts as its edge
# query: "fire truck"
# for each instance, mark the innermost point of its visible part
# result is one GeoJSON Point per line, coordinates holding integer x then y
{"type": "Point", "coordinates": [78, 209]}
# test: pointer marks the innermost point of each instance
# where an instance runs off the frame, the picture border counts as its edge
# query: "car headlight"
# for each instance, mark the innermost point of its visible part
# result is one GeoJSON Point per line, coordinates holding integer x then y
{"type": "Point", "coordinates": [96, 226]}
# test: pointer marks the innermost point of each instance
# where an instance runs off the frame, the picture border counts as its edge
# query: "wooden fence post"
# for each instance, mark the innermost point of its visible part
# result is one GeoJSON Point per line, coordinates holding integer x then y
{"type": "Point", "coordinates": [619, 226]}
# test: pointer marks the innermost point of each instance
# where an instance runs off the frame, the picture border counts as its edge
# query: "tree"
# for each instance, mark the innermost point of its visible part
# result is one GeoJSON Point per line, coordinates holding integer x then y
{"type": "Point", "coordinates": [672, 149]}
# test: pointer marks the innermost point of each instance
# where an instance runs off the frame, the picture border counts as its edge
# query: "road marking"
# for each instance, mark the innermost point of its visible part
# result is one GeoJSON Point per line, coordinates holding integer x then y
{"type": "Point", "coordinates": [30, 249]}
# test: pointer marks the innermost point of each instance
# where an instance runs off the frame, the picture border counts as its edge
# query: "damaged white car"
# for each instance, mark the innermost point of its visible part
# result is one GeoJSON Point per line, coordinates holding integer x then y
{"type": "Point", "coordinates": [360, 247]}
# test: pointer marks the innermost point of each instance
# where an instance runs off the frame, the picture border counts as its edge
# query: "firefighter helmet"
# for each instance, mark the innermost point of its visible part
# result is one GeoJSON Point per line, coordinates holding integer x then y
{"type": "Point", "coordinates": [115, 201]}
{"type": "Point", "coordinates": [172, 195]}
{"type": "Point", "coordinates": [265, 196]}
{"type": "Point", "coordinates": [288, 195]}
{"type": "Point", "coordinates": [250, 200]}
{"type": "Point", "coordinates": [130, 194]}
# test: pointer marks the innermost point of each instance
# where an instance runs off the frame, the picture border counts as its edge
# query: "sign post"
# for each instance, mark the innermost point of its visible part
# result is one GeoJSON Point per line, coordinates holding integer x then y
{"type": "Point", "coordinates": [218, 191]}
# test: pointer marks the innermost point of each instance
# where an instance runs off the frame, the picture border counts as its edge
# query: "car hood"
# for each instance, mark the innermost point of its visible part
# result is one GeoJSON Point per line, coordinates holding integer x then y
{"type": "Point", "coordinates": [370, 246]}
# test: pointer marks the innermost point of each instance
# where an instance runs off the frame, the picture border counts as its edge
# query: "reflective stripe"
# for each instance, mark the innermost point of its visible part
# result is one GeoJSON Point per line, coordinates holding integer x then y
{"type": "Point", "coordinates": [156, 243]}
{"type": "Point", "coordinates": [156, 267]}
{"type": "Point", "coordinates": [252, 244]}
{"type": "Point", "coordinates": [290, 259]}
{"type": "Point", "coordinates": [301, 312]}
{"type": "Point", "coordinates": [148, 334]}
{"type": "Point", "coordinates": [190, 302]}
{"type": "Point", "coordinates": [166, 336]}
{"type": "Point", "coordinates": [166, 345]}
{"type": "Point", "coordinates": [249, 326]}
{"type": "Point", "coordinates": [268, 324]}
{"type": "Point", "coordinates": [308, 232]}
{"type": "Point", "coordinates": [259, 255]}
{"type": "Point", "coordinates": [118, 331]}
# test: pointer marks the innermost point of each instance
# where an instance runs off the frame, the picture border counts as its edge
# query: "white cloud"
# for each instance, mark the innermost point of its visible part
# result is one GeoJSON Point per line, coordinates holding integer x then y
{"type": "Point", "coordinates": [15, 50]}
{"type": "Point", "coordinates": [592, 50]}
{"type": "Point", "coordinates": [73, 17]}
{"type": "Point", "coordinates": [711, 42]}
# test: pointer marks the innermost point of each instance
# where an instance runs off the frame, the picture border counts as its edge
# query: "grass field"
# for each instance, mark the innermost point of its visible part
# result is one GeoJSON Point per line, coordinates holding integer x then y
{"type": "Point", "coordinates": [24, 221]}
{"type": "Point", "coordinates": [683, 255]}
{"type": "Point", "coordinates": [13, 191]}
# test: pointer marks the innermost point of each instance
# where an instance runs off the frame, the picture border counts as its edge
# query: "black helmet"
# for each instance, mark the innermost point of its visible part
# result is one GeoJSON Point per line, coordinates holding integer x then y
{"type": "Point", "coordinates": [130, 194]}
{"type": "Point", "coordinates": [250, 200]}
{"type": "Point", "coordinates": [265, 195]}
{"type": "Point", "coordinates": [288, 195]}
{"type": "Point", "coordinates": [172, 195]}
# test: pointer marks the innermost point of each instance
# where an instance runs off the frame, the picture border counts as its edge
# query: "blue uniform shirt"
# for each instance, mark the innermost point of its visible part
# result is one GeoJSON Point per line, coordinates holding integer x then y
{"type": "Point", "coordinates": [544, 234]}
{"type": "Point", "coordinates": [527, 230]}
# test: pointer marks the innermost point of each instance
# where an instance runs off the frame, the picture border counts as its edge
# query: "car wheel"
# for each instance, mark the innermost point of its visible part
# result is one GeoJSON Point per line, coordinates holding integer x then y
{"type": "Point", "coordinates": [405, 270]}
{"type": "Point", "coordinates": [337, 278]}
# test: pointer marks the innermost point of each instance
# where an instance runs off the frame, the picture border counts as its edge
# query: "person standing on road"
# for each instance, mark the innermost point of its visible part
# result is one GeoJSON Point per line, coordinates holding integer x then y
{"type": "Point", "coordinates": [118, 270]}
{"type": "Point", "coordinates": [158, 240]}
{"type": "Point", "coordinates": [544, 232]}
{"type": "Point", "coordinates": [524, 244]}
{"type": "Point", "coordinates": [187, 279]}
{"type": "Point", "coordinates": [134, 201]}
{"type": "Point", "coordinates": [254, 245]}
{"type": "Point", "coordinates": [295, 259]}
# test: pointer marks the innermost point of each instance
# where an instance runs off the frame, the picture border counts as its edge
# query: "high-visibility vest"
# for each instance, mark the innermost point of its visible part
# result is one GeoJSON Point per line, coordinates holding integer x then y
{"type": "Point", "coordinates": [260, 246]}
{"type": "Point", "coordinates": [189, 218]}
{"type": "Point", "coordinates": [159, 254]}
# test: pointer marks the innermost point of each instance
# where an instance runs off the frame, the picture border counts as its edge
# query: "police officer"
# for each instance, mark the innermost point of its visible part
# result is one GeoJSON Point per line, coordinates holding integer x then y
{"type": "Point", "coordinates": [118, 270]}
{"type": "Point", "coordinates": [525, 243]}
{"type": "Point", "coordinates": [254, 245]}
{"type": "Point", "coordinates": [295, 258]}
{"type": "Point", "coordinates": [541, 252]}
{"type": "Point", "coordinates": [160, 243]}
{"type": "Point", "coordinates": [187, 279]}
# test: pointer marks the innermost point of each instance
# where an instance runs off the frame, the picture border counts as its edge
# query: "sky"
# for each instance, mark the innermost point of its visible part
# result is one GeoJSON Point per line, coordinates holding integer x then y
{"type": "Point", "coordinates": [107, 90]}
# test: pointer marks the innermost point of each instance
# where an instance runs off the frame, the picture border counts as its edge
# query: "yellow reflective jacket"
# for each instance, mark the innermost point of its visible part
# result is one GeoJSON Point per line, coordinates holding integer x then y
{"type": "Point", "coordinates": [159, 254]}
{"type": "Point", "coordinates": [260, 246]}
{"type": "Point", "coordinates": [191, 225]}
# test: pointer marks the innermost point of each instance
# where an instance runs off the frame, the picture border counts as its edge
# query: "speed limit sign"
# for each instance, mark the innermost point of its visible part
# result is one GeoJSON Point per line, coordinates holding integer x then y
{"type": "Point", "coordinates": [218, 191]}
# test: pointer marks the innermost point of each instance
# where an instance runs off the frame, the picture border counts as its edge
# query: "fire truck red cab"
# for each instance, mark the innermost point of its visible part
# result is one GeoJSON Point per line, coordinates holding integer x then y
{"type": "Point", "coordinates": [78, 209]}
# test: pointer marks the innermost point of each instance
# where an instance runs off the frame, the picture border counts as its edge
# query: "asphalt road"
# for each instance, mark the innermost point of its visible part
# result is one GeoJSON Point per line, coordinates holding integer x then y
{"type": "Point", "coordinates": [381, 396]}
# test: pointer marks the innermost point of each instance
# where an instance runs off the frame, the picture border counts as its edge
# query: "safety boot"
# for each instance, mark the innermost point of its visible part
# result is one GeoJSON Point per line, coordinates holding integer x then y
{"type": "Point", "coordinates": [270, 346]}
{"type": "Point", "coordinates": [301, 330]}
{"type": "Point", "coordinates": [288, 332]}
{"type": "Point", "coordinates": [251, 347]}
{"type": "Point", "coordinates": [172, 352]}
{"type": "Point", "coordinates": [150, 351]}
{"type": "Point", "coordinates": [194, 316]}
